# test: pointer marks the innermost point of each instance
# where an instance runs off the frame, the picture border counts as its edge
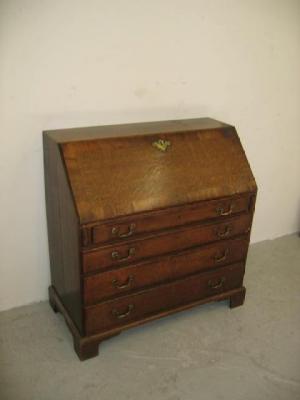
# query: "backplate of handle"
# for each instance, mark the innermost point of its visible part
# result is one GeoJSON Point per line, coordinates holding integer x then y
{"type": "Point", "coordinates": [115, 231]}
{"type": "Point", "coordinates": [217, 285]}
{"type": "Point", "coordinates": [124, 285]}
{"type": "Point", "coordinates": [115, 255]}
{"type": "Point", "coordinates": [119, 315]}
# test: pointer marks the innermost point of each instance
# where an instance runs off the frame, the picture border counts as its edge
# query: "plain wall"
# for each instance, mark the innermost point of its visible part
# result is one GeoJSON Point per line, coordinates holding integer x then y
{"type": "Point", "coordinates": [79, 63]}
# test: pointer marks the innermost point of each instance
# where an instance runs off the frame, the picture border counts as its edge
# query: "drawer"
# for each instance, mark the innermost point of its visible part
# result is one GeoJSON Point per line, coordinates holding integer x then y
{"type": "Point", "coordinates": [114, 313]}
{"type": "Point", "coordinates": [130, 227]}
{"type": "Point", "coordinates": [170, 267]}
{"type": "Point", "coordinates": [166, 242]}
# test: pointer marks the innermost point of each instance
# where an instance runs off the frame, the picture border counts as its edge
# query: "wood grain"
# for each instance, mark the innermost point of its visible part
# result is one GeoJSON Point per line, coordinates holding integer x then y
{"type": "Point", "coordinates": [162, 243]}
{"type": "Point", "coordinates": [114, 313]}
{"type": "Point", "coordinates": [87, 346]}
{"type": "Point", "coordinates": [136, 233]}
{"type": "Point", "coordinates": [135, 277]}
{"type": "Point", "coordinates": [113, 177]}
{"type": "Point", "coordinates": [121, 229]}
{"type": "Point", "coordinates": [63, 233]}
{"type": "Point", "coordinates": [134, 129]}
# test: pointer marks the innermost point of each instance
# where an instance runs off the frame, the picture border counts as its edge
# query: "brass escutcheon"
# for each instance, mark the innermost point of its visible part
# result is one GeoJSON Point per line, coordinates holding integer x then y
{"type": "Point", "coordinates": [161, 144]}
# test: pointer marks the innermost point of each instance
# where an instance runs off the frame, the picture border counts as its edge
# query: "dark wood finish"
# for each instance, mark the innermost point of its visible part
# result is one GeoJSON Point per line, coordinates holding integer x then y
{"type": "Point", "coordinates": [130, 227]}
{"type": "Point", "coordinates": [170, 267]}
{"type": "Point", "coordinates": [111, 177]}
{"type": "Point", "coordinates": [86, 349]}
{"type": "Point", "coordinates": [137, 306]}
{"type": "Point", "coordinates": [63, 233]}
{"type": "Point", "coordinates": [165, 242]}
{"type": "Point", "coordinates": [52, 300]}
{"type": "Point", "coordinates": [136, 233]}
{"type": "Point", "coordinates": [237, 299]}
{"type": "Point", "coordinates": [136, 128]}
{"type": "Point", "coordinates": [87, 346]}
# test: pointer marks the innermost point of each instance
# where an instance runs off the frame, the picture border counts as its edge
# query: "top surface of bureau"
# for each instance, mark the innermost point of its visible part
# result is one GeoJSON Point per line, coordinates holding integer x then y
{"type": "Point", "coordinates": [116, 171]}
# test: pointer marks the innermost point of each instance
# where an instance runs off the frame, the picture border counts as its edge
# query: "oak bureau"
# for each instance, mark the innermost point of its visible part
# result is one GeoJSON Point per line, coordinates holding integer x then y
{"type": "Point", "coordinates": [144, 220]}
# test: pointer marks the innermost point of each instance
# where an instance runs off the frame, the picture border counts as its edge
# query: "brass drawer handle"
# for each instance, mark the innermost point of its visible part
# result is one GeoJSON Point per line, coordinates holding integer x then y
{"type": "Point", "coordinates": [216, 285]}
{"type": "Point", "coordinates": [125, 285]}
{"type": "Point", "coordinates": [220, 258]}
{"type": "Point", "coordinates": [225, 232]}
{"type": "Point", "coordinates": [221, 211]}
{"type": "Point", "coordinates": [117, 314]}
{"type": "Point", "coordinates": [115, 255]}
{"type": "Point", "coordinates": [131, 229]}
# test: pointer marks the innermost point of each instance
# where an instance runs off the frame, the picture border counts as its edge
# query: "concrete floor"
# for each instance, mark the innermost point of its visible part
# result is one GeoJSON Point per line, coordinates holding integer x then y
{"type": "Point", "coordinates": [211, 352]}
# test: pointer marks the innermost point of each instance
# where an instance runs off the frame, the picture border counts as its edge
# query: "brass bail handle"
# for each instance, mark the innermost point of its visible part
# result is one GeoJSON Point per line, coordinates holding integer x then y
{"type": "Point", "coordinates": [119, 315]}
{"type": "Point", "coordinates": [216, 285]}
{"type": "Point", "coordinates": [115, 231]}
{"type": "Point", "coordinates": [125, 285]}
{"type": "Point", "coordinates": [225, 232]}
{"type": "Point", "coordinates": [221, 210]}
{"type": "Point", "coordinates": [220, 258]}
{"type": "Point", "coordinates": [115, 255]}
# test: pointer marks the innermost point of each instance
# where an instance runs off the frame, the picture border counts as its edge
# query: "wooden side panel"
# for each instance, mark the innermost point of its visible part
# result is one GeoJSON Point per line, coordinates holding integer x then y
{"type": "Point", "coordinates": [63, 233]}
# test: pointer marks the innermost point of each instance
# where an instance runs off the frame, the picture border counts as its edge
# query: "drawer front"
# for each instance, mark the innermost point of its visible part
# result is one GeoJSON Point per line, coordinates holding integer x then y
{"type": "Point", "coordinates": [110, 314]}
{"type": "Point", "coordinates": [117, 282]}
{"type": "Point", "coordinates": [130, 227]}
{"type": "Point", "coordinates": [180, 239]}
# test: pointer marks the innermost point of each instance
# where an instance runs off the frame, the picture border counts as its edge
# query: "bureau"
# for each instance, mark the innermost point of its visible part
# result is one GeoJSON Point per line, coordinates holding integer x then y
{"type": "Point", "coordinates": [144, 220]}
